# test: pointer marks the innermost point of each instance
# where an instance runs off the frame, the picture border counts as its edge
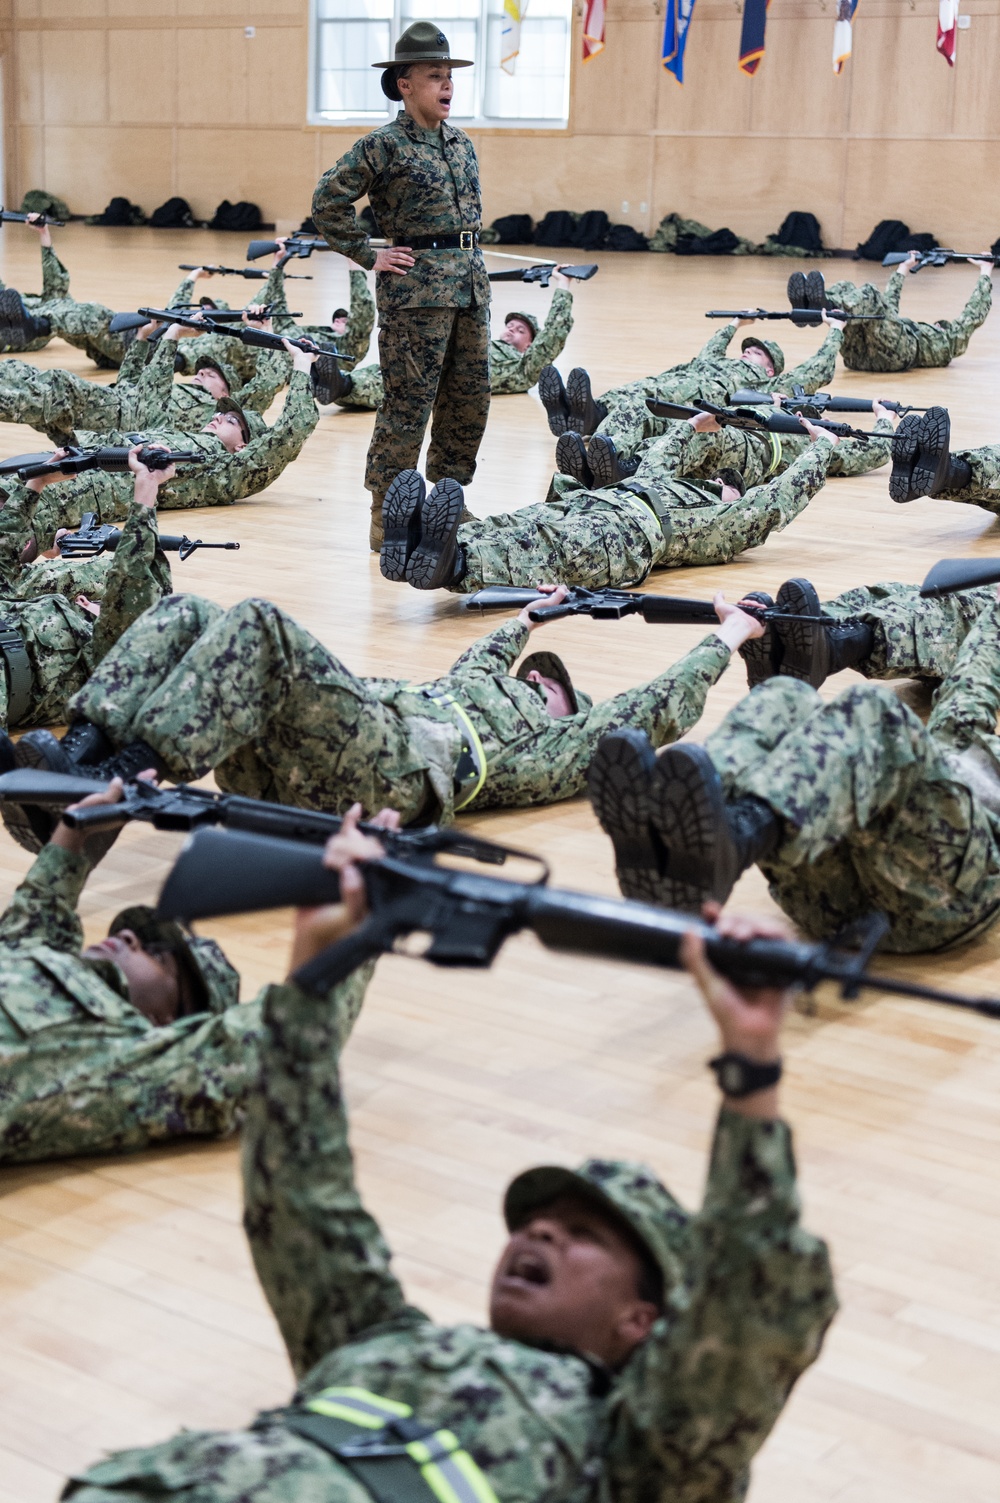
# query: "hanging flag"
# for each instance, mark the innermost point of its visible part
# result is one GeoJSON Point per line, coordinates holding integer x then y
{"type": "Point", "coordinates": [752, 36]}
{"type": "Point", "coordinates": [675, 35]}
{"type": "Point", "coordinates": [593, 29]}
{"type": "Point", "coordinates": [947, 33]}
{"type": "Point", "coordinates": [842, 34]}
{"type": "Point", "coordinates": [510, 32]}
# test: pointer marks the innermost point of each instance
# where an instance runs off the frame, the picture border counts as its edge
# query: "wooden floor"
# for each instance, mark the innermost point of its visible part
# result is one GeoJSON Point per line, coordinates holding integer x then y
{"type": "Point", "coordinates": [127, 1302]}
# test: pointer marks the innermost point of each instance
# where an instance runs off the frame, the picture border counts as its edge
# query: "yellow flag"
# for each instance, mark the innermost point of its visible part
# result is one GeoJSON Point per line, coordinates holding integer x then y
{"type": "Point", "coordinates": [510, 33]}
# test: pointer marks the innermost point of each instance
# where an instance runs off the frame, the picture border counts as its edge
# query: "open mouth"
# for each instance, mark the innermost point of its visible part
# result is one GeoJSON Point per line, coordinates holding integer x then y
{"type": "Point", "coordinates": [528, 1267]}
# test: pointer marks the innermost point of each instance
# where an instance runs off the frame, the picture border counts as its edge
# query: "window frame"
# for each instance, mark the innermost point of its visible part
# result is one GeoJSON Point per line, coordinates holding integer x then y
{"type": "Point", "coordinates": [317, 117]}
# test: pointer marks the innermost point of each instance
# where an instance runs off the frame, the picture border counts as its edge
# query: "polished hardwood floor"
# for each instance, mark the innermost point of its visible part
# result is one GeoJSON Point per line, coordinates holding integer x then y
{"type": "Point", "coordinates": [128, 1306]}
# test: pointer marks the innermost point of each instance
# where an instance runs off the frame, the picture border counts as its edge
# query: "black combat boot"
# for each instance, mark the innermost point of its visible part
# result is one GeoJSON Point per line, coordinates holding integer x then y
{"type": "Point", "coordinates": [797, 289]}
{"type": "Point", "coordinates": [571, 459]}
{"type": "Point", "coordinates": [136, 757]}
{"type": "Point", "coordinates": [618, 783]}
{"type": "Point", "coordinates": [553, 398]}
{"type": "Point", "coordinates": [401, 523]}
{"type": "Point", "coordinates": [81, 746]}
{"type": "Point", "coordinates": [30, 824]}
{"type": "Point", "coordinates": [921, 462]}
{"type": "Point", "coordinates": [18, 327]}
{"type": "Point", "coordinates": [585, 414]}
{"type": "Point", "coordinates": [709, 841]}
{"type": "Point", "coordinates": [812, 650]}
{"type": "Point", "coordinates": [762, 655]}
{"type": "Point", "coordinates": [815, 291]}
{"type": "Point", "coordinates": [607, 466]}
{"type": "Point", "coordinates": [437, 560]}
{"type": "Point", "coordinates": [329, 383]}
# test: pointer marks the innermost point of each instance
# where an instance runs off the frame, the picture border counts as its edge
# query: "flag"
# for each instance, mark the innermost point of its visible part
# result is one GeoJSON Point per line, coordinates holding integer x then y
{"type": "Point", "coordinates": [510, 32]}
{"type": "Point", "coordinates": [675, 35]}
{"type": "Point", "coordinates": [593, 29]}
{"type": "Point", "coordinates": [752, 36]}
{"type": "Point", "coordinates": [947, 33]}
{"type": "Point", "coordinates": [842, 37]}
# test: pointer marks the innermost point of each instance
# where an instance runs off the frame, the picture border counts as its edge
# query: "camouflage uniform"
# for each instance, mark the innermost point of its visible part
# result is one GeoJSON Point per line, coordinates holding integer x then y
{"type": "Point", "coordinates": [746, 1310]}
{"type": "Point", "coordinates": [983, 488]}
{"type": "Point", "coordinates": [64, 643]}
{"type": "Point", "coordinates": [352, 344]}
{"type": "Point", "coordinates": [616, 536]}
{"type": "Point", "coordinates": [511, 373]}
{"type": "Point", "coordinates": [81, 1069]}
{"type": "Point", "coordinates": [757, 455]}
{"type": "Point", "coordinates": [712, 375]}
{"type": "Point", "coordinates": [225, 479]}
{"type": "Point", "coordinates": [55, 284]}
{"type": "Point", "coordinates": [434, 331]}
{"type": "Point", "coordinates": [912, 637]}
{"type": "Point", "coordinates": [879, 812]}
{"type": "Point", "coordinates": [249, 693]}
{"type": "Point", "coordinates": [901, 344]}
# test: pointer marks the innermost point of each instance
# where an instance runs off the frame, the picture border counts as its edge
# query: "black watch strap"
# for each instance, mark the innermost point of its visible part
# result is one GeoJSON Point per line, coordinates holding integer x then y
{"type": "Point", "coordinates": [739, 1076]}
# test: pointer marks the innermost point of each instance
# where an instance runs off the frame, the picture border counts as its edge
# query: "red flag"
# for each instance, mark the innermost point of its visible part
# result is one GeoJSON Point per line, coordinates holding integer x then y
{"type": "Point", "coordinates": [947, 32]}
{"type": "Point", "coordinates": [593, 29]}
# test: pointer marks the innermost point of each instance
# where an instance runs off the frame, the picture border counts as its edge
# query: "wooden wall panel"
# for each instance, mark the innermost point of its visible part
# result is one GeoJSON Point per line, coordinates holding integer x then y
{"type": "Point", "coordinates": [29, 104]}
{"type": "Point", "coordinates": [802, 95]}
{"type": "Point", "coordinates": [612, 96]}
{"type": "Point", "coordinates": [142, 77]}
{"type": "Point", "coordinates": [30, 155]}
{"type": "Point", "coordinates": [211, 82]}
{"type": "Point", "coordinates": [963, 210]}
{"type": "Point", "coordinates": [715, 95]}
{"type": "Point", "coordinates": [217, 164]}
{"type": "Point", "coordinates": [74, 77]}
{"type": "Point", "coordinates": [276, 80]}
{"type": "Point", "coordinates": [899, 84]}
{"type": "Point", "coordinates": [91, 166]}
{"type": "Point", "coordinates": [977, 98]}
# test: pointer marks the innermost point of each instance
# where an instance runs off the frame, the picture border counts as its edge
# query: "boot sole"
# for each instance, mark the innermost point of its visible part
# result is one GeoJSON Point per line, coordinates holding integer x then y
{"type": "Point", "coordinates": [584, 413]}
{"type": "Point", "coordinates": [618, 783]}
{"type": "Point", "coordinates": [13, 331]}
{"type": "Point", "coordinates": [759, 655]}
{"type": "Point", "coordinates": [602, 456]}
{"type": "Point", "coordinates": [28, 824]}
{"type": "Point", "coordinates": [805, 651]}
{"type": "Point", "coordinates": [401, 520]}
{"type": "Point", "coordinates": [688, 812]}
{"type": "Point", "coordinates": [571, 458]}
{"type": "Point", "coordinates": [931, 463]}
{"type": "Point", "coordinates": [428, 566]}
{"type": "Point", "coordinates": [904, 453]}
{"type": "Point", "coordinates": [552, 393]}
{"type": "Point", "coordinates": [815, 291]}
{"type": "Point", "coordinates": [797, 290]}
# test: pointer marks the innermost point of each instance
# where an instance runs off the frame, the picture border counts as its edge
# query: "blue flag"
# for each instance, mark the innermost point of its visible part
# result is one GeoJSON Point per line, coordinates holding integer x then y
{"type": "Point", "coordinates": [675, 35]}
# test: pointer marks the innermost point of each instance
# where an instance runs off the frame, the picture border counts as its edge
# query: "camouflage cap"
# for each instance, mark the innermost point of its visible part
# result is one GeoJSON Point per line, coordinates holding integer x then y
{"type": "Point", "coordinates": [528, 318]}
{"type": "Point", "coordinates": [733, 478]}
{"type": "Point", "coordinates": [629, 1192]}
{"type": "Point", "coordinates": [772, 350]}
{"type": "Point", "coordinates": [214, 980]}
{"type": "Point", "coordinates": [550, 665]}
{"type": "Point", "coordinates": [230, 404]}
{"type": "Point", "coordinates": [225, 370]}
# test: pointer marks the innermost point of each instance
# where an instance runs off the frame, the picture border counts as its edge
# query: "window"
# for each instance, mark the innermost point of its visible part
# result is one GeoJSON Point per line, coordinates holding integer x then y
{"type": "Point", "coordinates": [350, 35]}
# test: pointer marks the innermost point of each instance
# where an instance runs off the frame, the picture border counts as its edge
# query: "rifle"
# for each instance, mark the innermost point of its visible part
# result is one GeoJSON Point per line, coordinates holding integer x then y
{"type": "Point", "coordinates": [196, 311]}
{"type": "Point", "coordinates": [815, 404]}
{"type": "Point", "coordinates": [10, 216]}
{"type": "Point", "coordinates": [251, 273]}
{"type": "Point", "coordinates": [210, 323]}
{"type": "Point", "coordinates": [759, 422]}
{"type": "Point", "coordinates": [938, 257]}
{"type": "Point", "coordinates": [301, 246]}
{"type": "Point", "coordinates": [800, 316]}
{"type": "Point", "coordinates": [953, 574]}
{"type": "Point", "coordinates": [612, 605]}
{"type": "Point", "coordinates": [92, 538]}
{"type": "Point", "coordinates": [542, 273]}
{"type": "Point", "coordinates": [76, 461]}
{"type": "Point", "coordinates": [469, 917]}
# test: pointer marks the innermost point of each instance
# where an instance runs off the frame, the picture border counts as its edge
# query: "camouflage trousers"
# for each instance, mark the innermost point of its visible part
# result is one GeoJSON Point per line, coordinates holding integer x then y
{"type": "Point", "coordinates": [983, 488]}
{"type": "Point", "coordinates": [893, 343]}
{"type": "Point", "coordinates": [367, 389]}
{"type": "Point", "coordinates": [875, 817]}
{"type": "Point", "coordinates": [56, 401]}
{"type": "Point", "coordinates": [912, 638]}
{"type": "Point", "coordinates": [86, 327]}
{"type": "Point", "coordinates": [757, 456]}
{"type": "Point", "coordinates": [253, 696]}
{"type": "Point", "coordinates": [435, 365]}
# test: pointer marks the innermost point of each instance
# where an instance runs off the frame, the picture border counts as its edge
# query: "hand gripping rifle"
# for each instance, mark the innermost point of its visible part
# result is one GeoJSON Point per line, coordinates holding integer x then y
{"type": "Point", "coordinates": [10, 216]}
{"type": "Point", "coordinates": [298, 246]}
{"type": "Point", "coordinates": [251, 273]}
{"type": "Point", "coordinates": [469, 916]}
{"type": "Point", "coordinates": [759, 422]}
{"type": "Point", "coordinates": [230, 323]}
{"type": "Point", "coordinates": [612, 605]}
{"type": "Point", "coordinates": [938, 257]}
{"type": "Point", "coordinates": [815, 404]}
{"type": "Point", "coordinates": [92, 538]}
{"type": "Point", "coordinates": [800, 316]}
{"type": "Point", "coordinates": [76, 461]}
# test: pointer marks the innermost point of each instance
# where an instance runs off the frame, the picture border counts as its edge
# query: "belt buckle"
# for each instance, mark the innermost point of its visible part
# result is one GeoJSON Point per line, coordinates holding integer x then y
{"type": "Point", "coordinates": [466, 239]}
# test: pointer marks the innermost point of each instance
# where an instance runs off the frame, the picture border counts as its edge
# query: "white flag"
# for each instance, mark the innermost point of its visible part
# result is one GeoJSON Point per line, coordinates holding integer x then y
{"type": "Point", "coordinates": [510, 33]}
{"type": "Point", "coordinates": [842, 38]}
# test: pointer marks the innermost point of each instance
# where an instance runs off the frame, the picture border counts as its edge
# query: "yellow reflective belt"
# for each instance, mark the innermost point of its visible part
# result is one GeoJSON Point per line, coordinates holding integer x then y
{"type": "Point", "coordinates": [442, 697]}
{"type": "Point", "coordinates": [359, 1406]}
{"type": "Point", "coordinates": [775, 453]}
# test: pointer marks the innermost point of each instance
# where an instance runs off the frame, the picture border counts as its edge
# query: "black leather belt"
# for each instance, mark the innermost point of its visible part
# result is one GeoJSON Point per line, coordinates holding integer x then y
{"type": "Point", "coordinates": [463, 240]}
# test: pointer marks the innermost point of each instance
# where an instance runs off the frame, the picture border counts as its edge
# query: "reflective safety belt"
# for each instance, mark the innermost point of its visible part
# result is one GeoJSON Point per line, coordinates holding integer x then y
{"type": "Point", "coordinates": [471, 768]}
{"type": "Point", "coordinates": [396, 1457]}
{"type": "Point", "coordinates": [775, 455]}
{"type": "Point", "coordinates": [19, 676]}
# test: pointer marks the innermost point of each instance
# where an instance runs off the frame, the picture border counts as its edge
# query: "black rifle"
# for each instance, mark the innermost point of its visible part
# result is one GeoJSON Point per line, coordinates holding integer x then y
{"type": "Point", "coordinates": [185, 313]}
{"type": "Point", "coordinates": [210, 323]}
{"type": "Point", "coordinates": [939, 257]}
{"type": "Point", "coordinates": [76, 461]}
{"type": "Point", "coordinates": [252, 273]}
{"type": "Point", "coordinates": [612, 605]}
{"type": "Point", "coordinates": [93, 537]}
{"type": "Point", "coordinates": [759, 422]}
{"type": "Point", "coordinates": [542, 273]}
{"type": "Point", "coordinates": [954, 574]}
{"type": "Point", "coordinates": [301, 246]}
{"type": "Point", "coordinates": [815, 404]}
{"type": "Point", "coordinates": [469, 917]}
{"type": "Point", "coordinates": [10, 216]}
{"type": "Point", "coordinates": [806, 316]}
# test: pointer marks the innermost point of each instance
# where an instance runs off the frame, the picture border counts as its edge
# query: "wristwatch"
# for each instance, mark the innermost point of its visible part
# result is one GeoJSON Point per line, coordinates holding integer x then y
{"type": "Point", "coordinates": [739, 1076]}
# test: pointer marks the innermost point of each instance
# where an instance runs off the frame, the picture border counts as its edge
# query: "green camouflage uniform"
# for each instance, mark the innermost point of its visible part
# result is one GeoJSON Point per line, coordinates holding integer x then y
{"type": "Point", "coordinates": [225, 479]}
{"type": "Point", "coordinates": [901, 344]}
{"type": "Point", "coordinates": [880, 813]}
{"type": "Point", "coordinates": [64, 643]}
{"type": "Point", "coordinates": [615, 536]}
{"type": "Point", "coordinates": [681, 1420]}
{"type": "Point", "coordinates": [55, 284]}
{"type": "Point", "coordinates": [912, 638]}
{"type": "Point", "coordinates": [434, 321]}
{"type": "Point", "coordinates": [353, 343]}
{"type": "Point", "coordinates": [249, 693]}
{"type": "Point", "coordinates": [983, 488]}
{"type": "Point", "coordinates": [757, 455]}
{"type": "Point", "coordinates": [511, 373]}
{"type": "Point", "coordinates": [81, 1069]}
{"type": "Point", "coordinates": [712, 375]}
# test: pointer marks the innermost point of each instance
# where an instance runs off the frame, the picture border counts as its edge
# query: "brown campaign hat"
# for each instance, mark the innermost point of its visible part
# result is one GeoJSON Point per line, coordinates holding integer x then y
{"type": "Point", "coordinates": [423, 42]}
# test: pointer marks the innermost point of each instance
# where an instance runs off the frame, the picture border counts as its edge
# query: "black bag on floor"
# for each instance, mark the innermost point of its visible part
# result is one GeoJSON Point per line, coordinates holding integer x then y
{"type": "Point", "coordinates": [557, 228]}
{"type": "Point", "coordinates": [591, 230]}
{"type": "Point", "coordinates": [892, 235]}
{"type": "Point", "coordinates": [718, 243]}
{"type": "Point", "coordinates": [513, 229]}
{"type": "Point", "coordinates": [243, 216]}
{"type": "Point", "coordinates": [175, 214]}
{"type": "Point", "coordinates": [917, 243]}
{"type": "Point", "coordinates": [118, 212]}
{"type": "Point", "coordinates": [802, 230]}
{"type": "Point", "coordinates": [622, 237]}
